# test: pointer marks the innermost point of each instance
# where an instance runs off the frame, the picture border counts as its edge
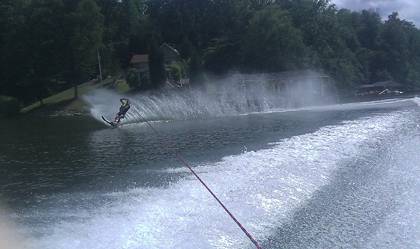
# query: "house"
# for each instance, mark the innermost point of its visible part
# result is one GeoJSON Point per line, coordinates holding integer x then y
{"type": "Point", "coordinates": [175, 70]}
{"type": "Point", "coordinates": [140, 62]}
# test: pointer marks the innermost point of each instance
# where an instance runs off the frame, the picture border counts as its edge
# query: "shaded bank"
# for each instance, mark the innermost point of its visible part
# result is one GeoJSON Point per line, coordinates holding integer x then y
{"type": "Point", "coordinates": [9, 106]}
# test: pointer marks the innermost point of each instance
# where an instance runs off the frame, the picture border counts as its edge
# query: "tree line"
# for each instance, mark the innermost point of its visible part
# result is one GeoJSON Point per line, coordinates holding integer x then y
{"type": "Point", "coordinates": [48, 45]}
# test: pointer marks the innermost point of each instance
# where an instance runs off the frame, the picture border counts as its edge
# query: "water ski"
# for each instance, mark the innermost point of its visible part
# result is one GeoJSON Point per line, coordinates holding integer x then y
{"type": "Point", "coordinates": [109, 122]}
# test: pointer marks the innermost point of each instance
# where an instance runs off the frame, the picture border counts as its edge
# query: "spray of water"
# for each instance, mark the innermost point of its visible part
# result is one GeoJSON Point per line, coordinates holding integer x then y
{"type": "Point", "coordinates": [9, 237]}
{"type": "Point", "coordinates": [233, 95]}
{"type": "Point", "coordinates": [416, 100]}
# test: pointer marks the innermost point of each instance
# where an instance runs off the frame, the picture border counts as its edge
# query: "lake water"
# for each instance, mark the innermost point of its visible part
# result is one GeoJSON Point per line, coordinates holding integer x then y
{"type": "Point", "coordinates": [338, 176]}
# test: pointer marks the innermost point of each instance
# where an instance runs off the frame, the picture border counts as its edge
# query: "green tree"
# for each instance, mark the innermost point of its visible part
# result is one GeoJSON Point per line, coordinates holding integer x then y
{"type": "Point", "coordinates": [115, 36]}
{"type": "Point", "coordinates": [395, 41]}
{"type": "Point", "coordinates": [85, 41]}
{"type": "Point", "coordinates": [12, 47]}
{"type": "Point", "coordinates": [43, 42]}
{"type": "Point", "coordinates": [156, 66]}
{"type": "Point", "coordinates": [271, 42]}
{"type": "Point", "coordinates": [195, 66]}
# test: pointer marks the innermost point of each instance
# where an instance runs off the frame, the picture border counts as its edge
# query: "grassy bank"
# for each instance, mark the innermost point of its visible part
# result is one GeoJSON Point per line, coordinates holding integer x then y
{"type": "Point", "coordinates": [66, 97]}
{"type": "Point", "coordinates": [9, 106]}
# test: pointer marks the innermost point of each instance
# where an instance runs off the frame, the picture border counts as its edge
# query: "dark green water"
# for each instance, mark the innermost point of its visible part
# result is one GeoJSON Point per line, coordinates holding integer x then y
{"type": "Point", "coordinates": [42, 154]}
{"type": "Point", "coordinates": [337, 177]}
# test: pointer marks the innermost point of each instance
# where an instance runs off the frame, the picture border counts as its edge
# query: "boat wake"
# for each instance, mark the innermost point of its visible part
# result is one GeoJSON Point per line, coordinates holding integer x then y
{"type": "Point", "coordinates": [261, 187]}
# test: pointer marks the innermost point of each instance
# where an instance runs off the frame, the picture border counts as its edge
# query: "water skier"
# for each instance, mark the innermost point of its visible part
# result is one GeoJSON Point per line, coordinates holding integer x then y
{"type": "Point", "coordinates": [125, 106]}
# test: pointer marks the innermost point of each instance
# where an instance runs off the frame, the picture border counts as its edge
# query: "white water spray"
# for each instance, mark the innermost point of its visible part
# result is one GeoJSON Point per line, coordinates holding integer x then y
{"type": "Point", "coordinates": [9, 237]}
{"type": "Point", "coordinates": [234, 95]}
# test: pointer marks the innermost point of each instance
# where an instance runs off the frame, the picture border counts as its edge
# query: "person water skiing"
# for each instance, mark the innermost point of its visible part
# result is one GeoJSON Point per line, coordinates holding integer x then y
{"type": "Point", "coordinates": [125, 105]}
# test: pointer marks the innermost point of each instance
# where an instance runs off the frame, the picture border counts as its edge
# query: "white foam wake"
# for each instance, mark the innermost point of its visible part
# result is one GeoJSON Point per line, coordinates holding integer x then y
{"type": "Point", "coordinates": [416, 100]}
{"type": "Point", "coordinates": [262, 188]}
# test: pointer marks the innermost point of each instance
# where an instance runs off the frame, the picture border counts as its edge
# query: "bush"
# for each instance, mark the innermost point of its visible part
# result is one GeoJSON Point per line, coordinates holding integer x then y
{"type": "Point", "coordinates": [133, 79]}
{"type": "Point", "coordinates": [175, 71]}
{"type": "Point", "coordinates": [9, 106]}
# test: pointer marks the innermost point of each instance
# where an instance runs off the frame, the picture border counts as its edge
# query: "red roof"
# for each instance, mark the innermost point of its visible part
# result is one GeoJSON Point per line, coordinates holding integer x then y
{"type": "Point", "coordinates": [139, 58]}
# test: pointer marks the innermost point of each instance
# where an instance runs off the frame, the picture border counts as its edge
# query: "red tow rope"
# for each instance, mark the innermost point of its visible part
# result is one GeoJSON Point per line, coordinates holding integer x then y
{"type": "Point", "coordinates": [181, 159]}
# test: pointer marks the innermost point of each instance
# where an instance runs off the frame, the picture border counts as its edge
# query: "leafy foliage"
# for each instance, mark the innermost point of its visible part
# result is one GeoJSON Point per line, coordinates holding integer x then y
{"type": "Point", "coordinates": [50, 44]}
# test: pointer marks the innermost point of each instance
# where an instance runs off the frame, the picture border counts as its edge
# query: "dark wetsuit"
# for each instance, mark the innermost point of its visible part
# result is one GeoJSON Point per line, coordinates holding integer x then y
{"type": "Point", "coordinates": [125, 105]}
